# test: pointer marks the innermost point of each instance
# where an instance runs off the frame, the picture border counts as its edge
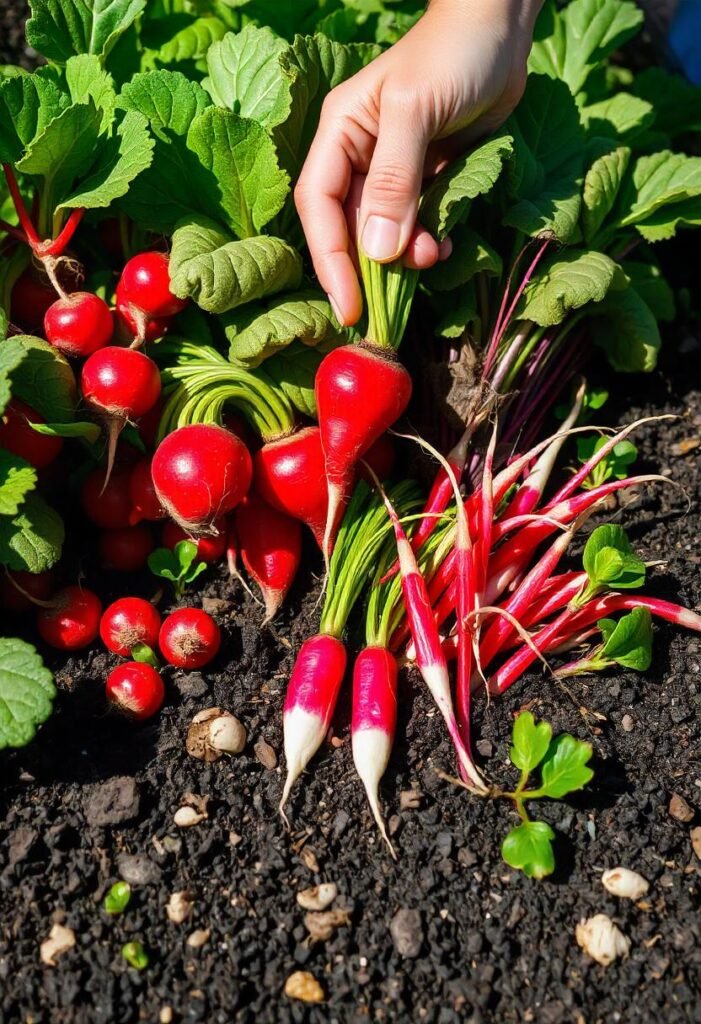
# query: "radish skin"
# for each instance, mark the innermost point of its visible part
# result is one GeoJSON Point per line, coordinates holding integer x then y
{"type": "Point", "coordinates": [270, 544]}
{"type": "Point", "coordinates": [290, 475]}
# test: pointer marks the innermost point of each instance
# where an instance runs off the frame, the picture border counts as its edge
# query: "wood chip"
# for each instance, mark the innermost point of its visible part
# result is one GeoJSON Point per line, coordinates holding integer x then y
{"type": "Point", "coordinates": [60, 940]}
{"type": "Point", "coordinates": [304, 986]}
{"type": "Point", "coordinates": [686, 445]}
{"type": "Point", "coordinates": [680, 809]}
{"type": "Point", "coordinates": [318, 897]}
{"type": "Point", "coordinates": [308, 858]}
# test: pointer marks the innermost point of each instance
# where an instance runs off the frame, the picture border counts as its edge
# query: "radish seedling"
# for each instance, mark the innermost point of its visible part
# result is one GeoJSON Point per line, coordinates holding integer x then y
{"type": "Point", "coordinates": [189, 638]}
{"type": "Point", "coordinates": [626, 642]}
{"type": "Point", "coordinates": [136, 689]}
{"type": "Point", "coordinates": [616, 464]}
{"type": "Point", "coordinates": [210, 548]}
{"type": "Point", "coordinates": [179, 566]}
{"type": "Point", "coordinates": [79, 325]}
{"type": "Point", "coordinates": [73, 619]}
{"type": "Point", "coordinates": [117, 899]}
{"type": "Point", "coordinates": [127, 622]}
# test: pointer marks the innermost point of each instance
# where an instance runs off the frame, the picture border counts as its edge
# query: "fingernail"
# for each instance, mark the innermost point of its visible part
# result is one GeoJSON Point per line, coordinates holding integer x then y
{"type": "Point", "coordinates": [381, 238]}
{"type": "Point", "coordinates": [336, 310]}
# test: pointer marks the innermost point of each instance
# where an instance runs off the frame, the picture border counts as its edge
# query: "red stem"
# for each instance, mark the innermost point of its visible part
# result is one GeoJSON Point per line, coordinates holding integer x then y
{"type": "Point", "coordinates": [18, 202]}
{"type": "Point", "coordinates": [59, 244]}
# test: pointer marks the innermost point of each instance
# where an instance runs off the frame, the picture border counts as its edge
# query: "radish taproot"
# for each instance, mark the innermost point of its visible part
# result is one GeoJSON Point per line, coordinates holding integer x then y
{"type": "Point", "coordinates": [79, 325]}
{"type": "Point", "coordinates": [136, 689]}
{"type": "Point", "coordinates": [73, 619]}
{"type": "Point", "coordinates": [189, 638]}
{"type": "Point", "coordinates": [270, 544]}
{"type": "Point", "coordinates": [17, 436]}
{"type": "Point", "coordinates": [127, 622]}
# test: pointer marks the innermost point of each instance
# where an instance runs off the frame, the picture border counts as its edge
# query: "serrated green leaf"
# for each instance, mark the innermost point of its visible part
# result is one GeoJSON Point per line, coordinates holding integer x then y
{"type": "Point", "coordinates": [567, 281]}
{"type": "Point", "coordinates": [657, 181]}
{"type": "Point", "coordinates": [27, 104]}
{"type": "Point", "coordinates": [528, 848]}
{"type": "Point", "coordinates": [663, 224]}
{"type": "Point", "coordinates": [17, 479]}
{"type": "Point", "coordinates": [245, 75]}
{"type": "Point", "coordinates": [87, 80]}
{"type": "Point", "coordinates": [220, 274]}
{"type": "Point", "coordinates": [121, 159]}
{"type": "Point", "coordinates": [193, 41]}
{"type": "Point", "coordinates": [256, 333]}
{"type": "Point", "coordinates": [530, 742]}
{"type": "Point", "coordinates": [294, 368]}
{"type": "Point", "coordinates": [44, 379]}
{"type": "Point", "coordinates": [601, 186]}
{"type": "Point", "coordinates": [628, 642]}
{"type": "Point", "coordinates": [58, 29]}
{"type": "Point", "coordinates": [650, 284]}
{"type": "Point", "coordinates": [167, 99]}
{"type": "Point", "coordinates": [472, 175]}
{"type": "Point", "coordinates": [624, 326]}
{"type": "Point", "coordinates": [565, 767]}
{"type": "Point", "coordinates": [65, 150]}
{"type": "Point", "coordinates": [27, 692]}
{"type": "Point", "coordinates": [32, 540]}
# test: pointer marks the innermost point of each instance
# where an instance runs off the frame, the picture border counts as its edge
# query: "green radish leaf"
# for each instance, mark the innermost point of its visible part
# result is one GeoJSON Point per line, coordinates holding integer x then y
{"type": "Point", "coordinates": [628, 642]}
{"type": "Point", "coordinates": [545, 173]}
{"type": "Point", "coordinates": [12, 352]}
{"type": "Point", "coordinates": [625, 327]}
{"type": "Point", "coordinates": [601, 187]}
{"type": "Point", "coordinates": [27, 692]}
{"type": "Point", "coordinates": [455, 311]}
{"type": "Point", "coordinates": [621, 117]}
{"type": "Point", "coordinates": [3, 324]}
{"type": "Point", "coordinates": [528, 848]}
{"type": "Point", "coordinates": [530, 742]}
{"type": "Point", "coordinates": [193, 41]}
{"type": "Point", "coordinates": [663, 224]}
{"type": "Point", "coordinates": [609, 559]}
{"type": "Point", "coordinates": [471, 255]}
{"type": "Point", "coordinates": [220, 274]}
{"type": "Point", "coordinates": [185, 552]}
{"type": "Point", "coordinates": [65, 150]}
{"type": "Point", "coordinates": [167, 99]}
{"type": "Point", "coordinates": [392, 25]}
{"type": "Point", "coordinates": [659, 180]}
{"type": "Point", "coordinates": [567, 281]}
{"type": "Point", "coordinates": [676, 102]}
{"type": "Point", "coordinates": [472, 175]}
{"type": "Point", "coordinates": [28, 104]}
{"type": "Point", "coordinates": [293, 369]}
{"type": "Point", "coordinates": [616, 464]}
{"type": "Point", "coordinates": [44, 379]}
{"type": "Point", "coordinates": [58, 29]}
{"type": "Point", "coordinates": [87, 80]}
{"type": "Point", "coordinates": [649, 282]}
{"type": "Point", "coordinates": [17, 479]}
{"type": "Point", "coordinates": [31, 540]}
{"type": "Point", "coordinates": [145, 655]}
{"type": "Point", "coordinates": [565, 768]}
{"type": "Point", "coordinates": [121, 159]}
{"type": "Point", "coordinates": [83, 429]}
{"type": "Point", "coordinates": [245, 75]}
{"type": "Point", "coordinates": [343, 26]}
{"type": "Point", "coordinates": [257, 332]}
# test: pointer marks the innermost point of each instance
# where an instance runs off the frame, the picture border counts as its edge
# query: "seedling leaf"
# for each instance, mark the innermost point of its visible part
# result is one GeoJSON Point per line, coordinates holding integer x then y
{"type": "Point", "coordinates": [565, 767]}
{"type": "Point", "coordinates": [610, 561]}
{"type": "Point", "coordinates": [528, 848]}
{"type": "Point", "coordinates": [117, 898]}
{"type": "Point", "coordinates": [530, 742]}
{"type": "Point", "coordinates": [628, 642]}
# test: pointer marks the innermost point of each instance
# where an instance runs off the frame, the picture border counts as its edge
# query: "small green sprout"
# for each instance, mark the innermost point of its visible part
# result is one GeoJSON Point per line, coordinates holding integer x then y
{"type": "Point", "coordinates": [135, 955]}
{"type": "Point", "coordinates": [117, 899]}
{"type": "Point", "coordinates": [179, 566]}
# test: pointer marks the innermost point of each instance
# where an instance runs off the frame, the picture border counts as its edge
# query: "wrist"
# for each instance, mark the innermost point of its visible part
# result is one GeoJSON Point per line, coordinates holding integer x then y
{"type": "Point", "coordinates": [514, 13]}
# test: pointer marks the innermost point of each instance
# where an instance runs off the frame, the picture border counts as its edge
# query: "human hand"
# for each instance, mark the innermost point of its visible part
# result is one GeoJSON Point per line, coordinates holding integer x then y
{"type": "Point", "coordinates": [455, 76]}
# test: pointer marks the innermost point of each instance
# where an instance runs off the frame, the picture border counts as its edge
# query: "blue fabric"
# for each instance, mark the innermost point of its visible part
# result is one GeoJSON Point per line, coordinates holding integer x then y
{"type": "Point", "coordinates": [684, 39]}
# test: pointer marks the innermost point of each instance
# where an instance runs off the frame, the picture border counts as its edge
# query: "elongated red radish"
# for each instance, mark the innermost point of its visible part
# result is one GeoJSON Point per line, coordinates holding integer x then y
{"type": "Point", "coordinates": [309, 703]}
{"type": "Point", "coordinates": [107, 505]}
{"type": "Point", "coordinates": [360, 393]}
{"type": "Point", "coordinates": [136, 689]}
{"type": "Point", "coordinates": [374, 722]}
{"type": "Point", "coordinates": [143, 292]}
{"type": "Point", "coordinates": [73, 619]}
{"type": "Point", "coordinates": [271, 548]}
{"type": "Point", "coordinates": [22, 591]}
{"type": "Point", "coordinates": [17, 436]}
{"type": "Point", "coordinates": [201, 472]}
{"type": "Point", "coordinates": [290, 476]}
{"type": "Point", "coordinates": [79, 325]}
{"type": "Point", "coordinates": [125, 549]}
{"type": "Point", "coordinates": [189, 638]}
{"type": "Point", "coordinates": [142, 495]}
{"type": "Point", "coordinates": [211, 547]}
{"type": "Point", "coordinates": [127, 622]}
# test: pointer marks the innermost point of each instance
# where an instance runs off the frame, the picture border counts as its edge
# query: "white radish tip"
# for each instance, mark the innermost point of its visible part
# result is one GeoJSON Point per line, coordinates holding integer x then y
{"type": "Point", "coordinates": [335, 503]}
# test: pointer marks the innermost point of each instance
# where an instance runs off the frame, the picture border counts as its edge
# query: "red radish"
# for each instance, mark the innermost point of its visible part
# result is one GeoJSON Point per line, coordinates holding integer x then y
{"type": "Point", "coordinates": [142, 329]}
{"type": "Point", "coordinates": [107, 505]}
{"type": "Point", "coordinates": [128, 622]}
{"type": "Point", "coordinates": [142, 495]}
{"type": "Point", "coordinates": [201, 472]}
{"type": "Point", "coordinates": [360, 392]}
{"type": "Point", "coordinates": [144, 299]}
{"type": "Point", "coordinates": [373, 723]}
{"type": "Point", "coordinates": [271, 548]}
{"type": "Point", "coordinates": [72, 621]}
{"type": "Point", "coordinates": [79, 324]}
{"type": "Point", "coordinates": [189, 638]}
{"type": "Point", "coordinates": [210, 548]}
{"type": "Point", "coordinates": [20, 591]}
{"type": "Point", "coordinates": [17, 436]}
{"type": "Point", "coordinates": [136, 689]}
{"type": "Point", "coordinates": [290, 475]}
{"type": "Point", "coordinates": [125, 549]}
{"type": "Point", "coordinates": [149, 424]}
{"type": "Point", "coordinates": [309, 703]}
{"type": "Point", "coordinates": [380, 457]}
{"type": "Point", "coordinates": [33, 294]}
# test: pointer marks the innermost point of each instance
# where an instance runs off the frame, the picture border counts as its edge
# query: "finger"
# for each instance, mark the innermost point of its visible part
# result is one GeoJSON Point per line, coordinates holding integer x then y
{"type": "Point", "coordinates": [393, 184]}
{"type": "Point", "coordinates": [422, 251]}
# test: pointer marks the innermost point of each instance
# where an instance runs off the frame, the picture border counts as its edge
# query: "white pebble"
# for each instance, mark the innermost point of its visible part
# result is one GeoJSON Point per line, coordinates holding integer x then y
{"type": "Point", "coordinates": [625, 883]}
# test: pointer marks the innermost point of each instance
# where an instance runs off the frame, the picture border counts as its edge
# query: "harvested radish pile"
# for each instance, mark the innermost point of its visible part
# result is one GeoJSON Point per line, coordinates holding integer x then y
{"type": "Point", "coordinates": [176, 386]}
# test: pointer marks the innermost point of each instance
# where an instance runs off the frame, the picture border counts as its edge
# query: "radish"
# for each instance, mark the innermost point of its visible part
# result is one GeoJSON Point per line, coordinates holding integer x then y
{"type": "Point", "coordinates": [210, 548]}
{"type": "Point", "coordinates": [126, 548]}
{"type": "Point", "coordinates": [290, 476]}
{"type": "Point", "coordinates": [136, 689]}
{"type": "Point", "coordinates": [21, 591]}
{"type": "Point", "coordinates": [143, 292]}
{"type": "Point", "coordinates": [72, 621]}
{"type": "Point", "coordinates": [271, 548]}
{"type": "Point", "coordinates": [201, 472]}
{"type": "Point", "coordinates": [189, 638]}
{"type": "Point", "coordinates": [127, 622]}
{"type": "Point", "coordinates": [33, 295]}
{"type": "Point", "coordinates": [107, 505]}
{"type": "Point", "coordinates": [360, 393]}
{"type": "Point", "coordinates": [142, 495]}
{"type": "Point", "coordinates": [17, 436]}
{"type": "Point", "coordinates": [373, 723]}
{"type": "Point", "coordinates": [138, 329]}
{"type": "Point", "coordinates": [79, 324]}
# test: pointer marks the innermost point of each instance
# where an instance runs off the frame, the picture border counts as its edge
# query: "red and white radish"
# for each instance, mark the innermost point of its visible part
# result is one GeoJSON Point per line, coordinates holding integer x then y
{"type": "Point", "coordinates": [127, 622]}
{"type": "Point", "coordinates": [107, 505]}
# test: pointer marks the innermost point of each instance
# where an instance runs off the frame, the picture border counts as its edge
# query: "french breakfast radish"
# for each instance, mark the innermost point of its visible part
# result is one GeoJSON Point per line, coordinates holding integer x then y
{"type": "Point", "coordinates": [201, 472]}
{"type": "Point", "coordinates": [73, 619]}
{"type": "Point", "coordinates": [17, 436]}
{"type": "Point", "coordinates": [127, 622]}
{"type": "Point", "coordinates": [136, 689]}
{"type": "Point", "coordinates": [79, 325]}
{"type": "Point", "coordinates": [211, 547]}
{"type": "Point", "coordinates": [270, 544]}
{"type": "Point", "coordinates": [125, 549]}
{"type": "Point", "coordinates": [189, 638]}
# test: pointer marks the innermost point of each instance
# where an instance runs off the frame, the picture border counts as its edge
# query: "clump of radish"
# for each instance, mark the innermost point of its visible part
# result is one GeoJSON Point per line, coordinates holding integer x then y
{"type": "Point", "coordinates": [136, 689]}
{"type": "Point", "coordinates": [271, 548]}
{"type": "Point", "coordinates": [79, 324]}
{"type": "Point", "coordinates": [210, 547]}
{"type": "Point", "coordinates": [72, 621]}
{"type": "Point", "coordinates": [127, 622]}
{"type": "Point", "coordinates": [201, 472]}
{"type": "Point", "coordinates": [126, 549]}
{"type": "Point", "coordinates": [17, 436]}
{"type": "Point", "coordinates": [144, 299]}
{"type": "Point", "coordinates": [142, 495]}
{"type": "Point", "coordinates": [189, 638]}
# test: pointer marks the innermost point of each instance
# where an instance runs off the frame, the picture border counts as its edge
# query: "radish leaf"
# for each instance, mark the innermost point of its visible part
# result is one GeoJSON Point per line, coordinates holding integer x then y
{"type": "Point", "coordinates": [167, 99]}
{"type": "Point", "coordinates": [17, 479]}
{"type": "Point", "coordinates": [257, 332]}
{"type": "Point", "coordinates": [60, 28]}
{"type": "Point", "coordinates": [87, 80]}
{"type": "Point", "coordinates": [565, 768]}
{"type": "Point", "coordinates": [616, 464]}
{"type": "Point", "coordinates": [528, 848]}
{"type": "Point", "coordinates": [625, 327]}
{"type": "Point", "coordinates": [27, 104]}
{"type": "Point", "coordinates": [32, 539]}
{"type": "Point", "coordinates": [650, 284]}
{"type": "Point", "coordinates": [27, 692]}
{"type": "Point", "coordinates": [44, 379]}
{"type": "Point", "coordinates": [676, 102]}
{"type": "Point", "coordinates": [601, 186]}
{"type": "Point", "coordinates": [192, 42]}
{"type": "Point", "coordinates": [657, 181]}
{"type": "Point", "coordinates": [621, 117]}
{"type": "Point", "coordinates": [568, 281]}
{"type": "Point", "coordinates": [609, 560]}
{"type": "Point", "coordinates": [471, 255]}
{"type": "Point", "coordinates": [245, 75]}
{"type": "Point", "coordinates": [530, 742]}
{"type": "Point", "coordinates": [628, 642]}
{"type": "Point", "coordinates": [65, 150]}
{"type": "Point", "coordinates": [121, 159]}
{"type": "Point", "coordinates": [179, 565]}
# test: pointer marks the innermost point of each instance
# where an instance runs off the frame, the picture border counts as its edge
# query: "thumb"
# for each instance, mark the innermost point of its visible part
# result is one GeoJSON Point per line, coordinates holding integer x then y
{"type": "Point", "coordinates": [392, 188]}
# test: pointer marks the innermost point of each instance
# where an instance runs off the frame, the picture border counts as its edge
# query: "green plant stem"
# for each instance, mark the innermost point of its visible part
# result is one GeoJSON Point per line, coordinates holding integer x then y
{"type": "Point", "coordinates": [389, 292]}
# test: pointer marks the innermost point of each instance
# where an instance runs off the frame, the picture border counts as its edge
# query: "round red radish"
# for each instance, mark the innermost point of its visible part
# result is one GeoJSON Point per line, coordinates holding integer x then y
{"type": "Point", "coordinates": [17, 436]}
{"type": "Point", "coordinates": [290, 476]}
{"type": "Point", "coordinates": [107, 505]}
{"type": "Point", "coordinates": [271, 548]}
{"type": "Point", "coordinates": [142, 495]}
{"type": "Point", "coordinates": [201, 472]}
{"type": "Point", "coordinates": [131, 325]}
{"type": "Point", "coordinates": [128, 622]}
{"type": "Point", "coordinates": [19, 590]}
{"type": "Point", "coordinates": [125, 549]}
{"type": "Point", "coordinates": [73, 620]}
{"type": "Point", "coordinates": [145, 284]}
{"type": "Point", "coordinates": [189, 638]}
{"type": "Point", "coordinates": [120, 383]}
{"type": "Point", "coordinates": [135, 689]}
{"type": "Point", "coordinates": [210, 548]}
{"type": "Point", "coordinates": [79, 324]}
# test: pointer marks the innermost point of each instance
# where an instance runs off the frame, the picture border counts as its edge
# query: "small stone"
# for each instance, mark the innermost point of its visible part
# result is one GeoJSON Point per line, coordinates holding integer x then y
{"type": "Point", "coordinates": [304, 986]}
{"type": "Point", "coordinates": [410, 799]}
{"type": "Point", "coordinates": [696, 840]}
{"type": "Point", "coordinates": [60, 940]}
{"type": "Point", "coordinates": [627, 723]}
{"type": "Point", "coordinates": [265, 754]}
{"type": "Point", "coordinates": [186, 817]}
{"type": "Point", "coordinates": [407, 932]}
{"type": "Point", "coordinates": [600, 939]}
{"type": "Point", "coordinates": [680, 809]}
{"type": "Point", "coordinates": [215, 605]}
{"type": "Point", "coordinates": [321, 926]}
{"type": "Point", "coordinates": [484, 747]}
{"type": "Point", "coordinates": [111, 803]}
{"type": "Point", "coordinates": [198, 938]}
{"type": "Point", "coordinates": [138, 869]}
{"type": "Point", "coordinates": [625, 883]}
{"type": "Point", "coordinates": [165, 1015]}
{"type": "Point", "coordinates": [179, 907]}
{"type": "Point", "coordinates": [318, 897]}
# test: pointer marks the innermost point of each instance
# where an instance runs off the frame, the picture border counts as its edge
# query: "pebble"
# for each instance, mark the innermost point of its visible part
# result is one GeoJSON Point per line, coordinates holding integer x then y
{"type": "Point", "coordinates": [198, 938]}
{"type": "Point", "coordinates": [111, 803]}
{"type": "Point", "coordinates": [138, 869]}
{"type": "Point", "coordinates": [601, 939]}
{"type": "Point", "coordinates": [625, 883]}
{"type": "Point", "coordinates": [627, 723]}
{"type": "Point", "coordinates": [179, 907]}
{"type": "Point", "coordinates": [696, 840]}
{"type": "Point", "coordinates": [318, 897]}
{"type": "Point", "coordinates": [680, 809]}
{"type": "Point", "coordinates": [60, 940]}
{"type": "Point", "coordinates": [265, 754]}
{"type": "Point", "coordinates": [410, 799]}
{"type": "Point", "coordinates": [321, 925]}
{"type": "Point", "coordinates": [304, 986]}
{"type": "Point", "coordinates": [406, 930]}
